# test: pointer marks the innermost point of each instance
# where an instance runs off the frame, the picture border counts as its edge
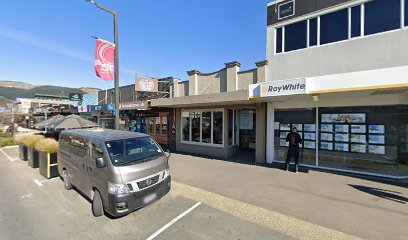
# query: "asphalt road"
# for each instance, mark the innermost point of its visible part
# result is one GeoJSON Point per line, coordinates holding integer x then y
{"type": "Point", "coordinates": [32, 207]}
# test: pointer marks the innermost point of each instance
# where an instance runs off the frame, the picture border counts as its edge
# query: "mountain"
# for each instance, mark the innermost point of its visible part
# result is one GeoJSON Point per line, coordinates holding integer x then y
{"type": "Point", "coordinates": [13, 90]}
{"type": "Point", "coordinates": [14, 84]}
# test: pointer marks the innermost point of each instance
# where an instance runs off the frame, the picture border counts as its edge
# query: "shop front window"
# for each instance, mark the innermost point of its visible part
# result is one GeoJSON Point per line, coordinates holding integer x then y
{"type": "Point", "coordinates": [365, 139]}
{"type": "Point", "coordinates": [158, 126]}
{"type": "Point", "coordinates": [218, 127]}
{"type": "Point", "coordinates": [195, 126]}
{"type": "Point", "coordinates": [164, 125]}
{"type": "Point", "coordinates": [206, 127]}
{"type": "Point", "coordinates": [305, 122]}
{"type": "Point", "coordinates": [185, 126]}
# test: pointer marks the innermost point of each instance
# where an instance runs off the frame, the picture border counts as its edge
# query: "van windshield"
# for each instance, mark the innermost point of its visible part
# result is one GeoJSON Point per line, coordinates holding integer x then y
{"type": "Point", "coordinates": [133, 150]}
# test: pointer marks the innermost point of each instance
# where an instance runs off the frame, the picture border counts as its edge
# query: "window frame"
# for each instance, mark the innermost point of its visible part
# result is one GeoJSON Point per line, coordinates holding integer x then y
{"type": "Point", "coordinates": [212, 110]}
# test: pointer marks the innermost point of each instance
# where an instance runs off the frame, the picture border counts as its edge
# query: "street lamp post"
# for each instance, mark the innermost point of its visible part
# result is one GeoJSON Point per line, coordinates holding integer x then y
{"type": "Point", "coordinates": [116, 72]}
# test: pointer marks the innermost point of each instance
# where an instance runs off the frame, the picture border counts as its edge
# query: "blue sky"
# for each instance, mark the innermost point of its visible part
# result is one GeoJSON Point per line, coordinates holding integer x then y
{"type": "Point", "coordinates": [49, 41]}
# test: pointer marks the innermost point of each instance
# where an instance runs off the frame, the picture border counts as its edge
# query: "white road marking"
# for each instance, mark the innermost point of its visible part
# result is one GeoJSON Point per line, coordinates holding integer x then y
{"type": "Point", "coordinates": [7, 156]}
{"type": "Point", "coordinates": [26, 196]}
{"type": "Point", "coordinates": [38, 182]}
{"type": "Point", "coordinates": [157, 233]}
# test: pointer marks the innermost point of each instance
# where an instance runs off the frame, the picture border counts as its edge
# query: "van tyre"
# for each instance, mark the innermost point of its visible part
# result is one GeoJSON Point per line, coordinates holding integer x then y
{"type": "Point", "coordinates": [97, 206]}
{"type": "Point", "coordinates": [67, 183]}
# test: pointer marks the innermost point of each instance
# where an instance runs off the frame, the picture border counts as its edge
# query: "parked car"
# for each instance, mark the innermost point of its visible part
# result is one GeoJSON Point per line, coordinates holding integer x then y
{"type": "Point", "coordinates": [119, 171]}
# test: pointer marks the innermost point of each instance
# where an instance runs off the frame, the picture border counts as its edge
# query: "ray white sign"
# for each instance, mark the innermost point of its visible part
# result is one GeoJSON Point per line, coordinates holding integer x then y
{"type": "Point", "coordinates": [282, 88]}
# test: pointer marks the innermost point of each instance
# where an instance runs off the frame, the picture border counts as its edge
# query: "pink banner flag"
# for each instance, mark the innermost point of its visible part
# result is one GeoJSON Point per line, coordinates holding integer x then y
{"type": "Point", "coordinates": [104, 58]}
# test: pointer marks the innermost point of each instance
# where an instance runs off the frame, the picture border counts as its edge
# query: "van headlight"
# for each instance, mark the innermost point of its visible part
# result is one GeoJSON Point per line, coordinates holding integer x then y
{"type": "Point", "coordinates": [117, 189]}
{"type": "Point", "coordinates": [166, 173]}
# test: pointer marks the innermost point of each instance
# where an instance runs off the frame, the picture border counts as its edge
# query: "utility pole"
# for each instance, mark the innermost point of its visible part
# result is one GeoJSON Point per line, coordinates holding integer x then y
{"type": "Point", "coordinates": [116, 63]}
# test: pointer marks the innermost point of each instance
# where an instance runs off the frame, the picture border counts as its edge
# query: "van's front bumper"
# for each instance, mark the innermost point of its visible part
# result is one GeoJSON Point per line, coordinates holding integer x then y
{"type": "Point", "coordinates": [136, 200]}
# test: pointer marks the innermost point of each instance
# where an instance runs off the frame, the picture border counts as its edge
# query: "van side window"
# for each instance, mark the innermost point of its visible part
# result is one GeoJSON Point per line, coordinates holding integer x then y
{"type": "Point", "coordinates": [74, 145]}
{"type": "Point", "coordinates": [97, 151]}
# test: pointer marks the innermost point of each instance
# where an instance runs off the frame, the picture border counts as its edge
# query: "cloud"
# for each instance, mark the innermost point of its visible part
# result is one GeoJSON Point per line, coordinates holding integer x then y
{"type": "Point", "coordinates": [50, 46]}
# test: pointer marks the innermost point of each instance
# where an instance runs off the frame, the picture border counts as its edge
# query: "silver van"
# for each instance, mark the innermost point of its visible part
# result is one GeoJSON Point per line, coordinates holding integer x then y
{"type": "Point", "coordinates": [118, 171]}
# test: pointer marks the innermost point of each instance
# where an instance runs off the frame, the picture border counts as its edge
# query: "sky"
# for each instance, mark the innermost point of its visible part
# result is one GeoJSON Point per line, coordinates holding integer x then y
{"type": "Point", "coordinates": [49, 42]}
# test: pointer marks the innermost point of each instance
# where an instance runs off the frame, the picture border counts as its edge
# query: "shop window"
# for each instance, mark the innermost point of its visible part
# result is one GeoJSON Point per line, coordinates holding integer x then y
{"type": "Point", "coordinates": [230, 127]}
{"type": "Point", "coordinates": [365, 139]}
{"type": "Point", "coordinates": [406, 12]}
{"type": "Point", "coordinates": [381, 16]}
{"type": "Point", "coordinates": [151, 125]}
{"type": "Point", "coordinates": [278, 40]}
{"type": "Point", "coordinates": [313, 32]}
{"type": "Point", "coordinates": [158, 126]}
{"type": "Point", "coordinates": [185, 126]}
{"type": "Point", "coordinates": [334, 27]}
{"type": "Point", "coordinates": [164, 125]}
{"type": "Point", "coordinates": [195, 126]}
{"type": "Point", "coordinates": [218, 128]}
{"type": "Point", "coordinates": [305, 122]}
{"type": "Point", "coordinates": [296, 36]}
{"type": "Point", "coordinates": [356, 21]}
{"type": "Point", "coordinates": [206, 127]}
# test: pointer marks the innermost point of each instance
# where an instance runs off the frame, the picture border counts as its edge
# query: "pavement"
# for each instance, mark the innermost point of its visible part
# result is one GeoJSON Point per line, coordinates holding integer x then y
{"type": "Point", "coordinates": [209, 199]}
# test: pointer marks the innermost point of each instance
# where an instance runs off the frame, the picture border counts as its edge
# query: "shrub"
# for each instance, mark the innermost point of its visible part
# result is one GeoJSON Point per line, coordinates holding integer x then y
{"type": "Point", "coordinates": [7, 142]}
{"type": "Point", "coordinates": [21, 138]}
{"type": "Point", "coordinates": [47, 145]}
{"type": "Point", "coordinates": [31, 140]}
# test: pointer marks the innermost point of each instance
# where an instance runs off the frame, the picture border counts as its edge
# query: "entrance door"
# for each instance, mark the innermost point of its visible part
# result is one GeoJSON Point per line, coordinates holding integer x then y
{"type": "Point", "coordinates": [158, 128]}
{"type": "Point", "coordinates": [247, 130]}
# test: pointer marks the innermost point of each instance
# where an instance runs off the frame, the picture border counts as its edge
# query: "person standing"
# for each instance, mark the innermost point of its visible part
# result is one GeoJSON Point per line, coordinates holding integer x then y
{"type": "Point", "coordinates": [294, 140]}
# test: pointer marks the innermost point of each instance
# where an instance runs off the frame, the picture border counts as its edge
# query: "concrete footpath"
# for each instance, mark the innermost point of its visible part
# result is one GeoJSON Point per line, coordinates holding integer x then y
{"type": "Point", "coordinates": [359, 207]}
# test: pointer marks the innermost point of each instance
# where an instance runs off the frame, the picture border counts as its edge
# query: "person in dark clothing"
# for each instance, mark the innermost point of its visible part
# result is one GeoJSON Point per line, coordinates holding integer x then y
{"type": "Point", "coordinates": [294, 140]}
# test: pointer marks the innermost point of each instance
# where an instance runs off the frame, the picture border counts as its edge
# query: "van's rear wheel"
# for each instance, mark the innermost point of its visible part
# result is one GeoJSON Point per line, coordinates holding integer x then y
{"type": "Point", "coordinates": [97, 206]}
{"type": "Point", "coordinates": [67, 183]}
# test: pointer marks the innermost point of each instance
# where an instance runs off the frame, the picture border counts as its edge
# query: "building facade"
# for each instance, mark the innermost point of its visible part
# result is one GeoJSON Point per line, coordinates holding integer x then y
{"type": "Point", "coordinates": [335, 69]}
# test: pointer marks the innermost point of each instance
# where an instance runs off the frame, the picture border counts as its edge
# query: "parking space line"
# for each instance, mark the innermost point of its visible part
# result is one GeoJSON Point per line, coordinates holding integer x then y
{"type": "Point", "coordinates": [157, 233]}
{"type": "Point", "coordinates": [38, 182]}
{"type": "Point", "coordinates": [7, 156]}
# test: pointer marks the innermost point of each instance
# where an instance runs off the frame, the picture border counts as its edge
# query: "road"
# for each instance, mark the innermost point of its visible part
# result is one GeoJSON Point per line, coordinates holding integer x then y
{"type": "Point", "coordinates": [32, 207]}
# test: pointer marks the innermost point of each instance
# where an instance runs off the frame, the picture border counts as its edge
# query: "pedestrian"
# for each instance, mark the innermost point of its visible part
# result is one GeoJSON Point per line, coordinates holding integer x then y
{"type": "Point", "coordinates": [294, 140]}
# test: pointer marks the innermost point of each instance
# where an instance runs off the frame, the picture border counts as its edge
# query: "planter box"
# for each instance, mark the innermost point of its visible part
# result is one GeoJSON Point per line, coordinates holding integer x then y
{"type": "Point", "coordinates": [23, 153]}
{"type": "Point", "coordinates": [48, 164]}
{"type": "Point", "coordinates": [33, 156]}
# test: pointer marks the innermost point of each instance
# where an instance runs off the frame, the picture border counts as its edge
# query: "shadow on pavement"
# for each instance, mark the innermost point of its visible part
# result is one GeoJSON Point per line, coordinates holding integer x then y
{"type": "Point", "coordinates": [249, 159]}
{"type": "Point", "coordinates": [382, 193]}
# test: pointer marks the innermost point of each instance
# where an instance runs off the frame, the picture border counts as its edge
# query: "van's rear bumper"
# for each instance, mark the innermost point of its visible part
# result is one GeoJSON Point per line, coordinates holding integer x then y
{"type": "Point", "coordinates": [135, 200]}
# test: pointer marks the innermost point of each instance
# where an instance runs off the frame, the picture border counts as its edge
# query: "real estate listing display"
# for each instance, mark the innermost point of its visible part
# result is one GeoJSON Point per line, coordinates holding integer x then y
{"type": "Point", "coordinates": [358, 128]}
{"type": "Point", "coordinates": [309, 144]}
{"type": "Point", "coordinates": [342, 147]}
{"type": "Point", "coordinates": [326, 127]}
{"type": "Point", "coordinates": [379, 129]}
{"type": "Point", "coordinates": [342, 128]}
{"type": "Point", "coordinates": [358, 148]}
{"type": "Point", "coordinates": [344, 118]}
{"type": "Point", "coordinates": [342, 137]}
{"type": "Point", "coordinates": [358, 138]}
{"type": "Point", "coordinates": [326, 146]}
{"type": "Point", "coordinates": [326, 137]}
{"type": "Point", "coordinates": [376, 149]}
{"type": "Point", "coordinates": [310, 127]}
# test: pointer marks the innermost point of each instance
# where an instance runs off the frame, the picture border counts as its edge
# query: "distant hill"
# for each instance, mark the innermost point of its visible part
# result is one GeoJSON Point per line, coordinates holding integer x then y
{"type": "Point", "coordinates": [16, 84]}
{"type": "Point", "coordinates": [13, 90]}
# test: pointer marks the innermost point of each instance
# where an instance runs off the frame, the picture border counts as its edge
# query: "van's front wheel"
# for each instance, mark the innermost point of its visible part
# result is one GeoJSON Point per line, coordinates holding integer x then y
{"type": "Point", "coordinates": [67, 183]}
{"type": "Point", "coordinates": [97, 206]}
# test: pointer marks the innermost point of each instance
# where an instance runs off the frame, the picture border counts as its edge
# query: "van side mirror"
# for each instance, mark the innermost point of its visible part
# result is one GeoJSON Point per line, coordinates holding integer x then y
{"type": "Point", "coordinates": [168, 154]}
{"type": "Point", "coordinates": [100, 162]}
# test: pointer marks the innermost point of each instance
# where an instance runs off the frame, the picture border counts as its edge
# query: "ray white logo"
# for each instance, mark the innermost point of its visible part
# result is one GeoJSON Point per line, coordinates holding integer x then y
{"type": "Point", "coordinates": [289, 87]}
